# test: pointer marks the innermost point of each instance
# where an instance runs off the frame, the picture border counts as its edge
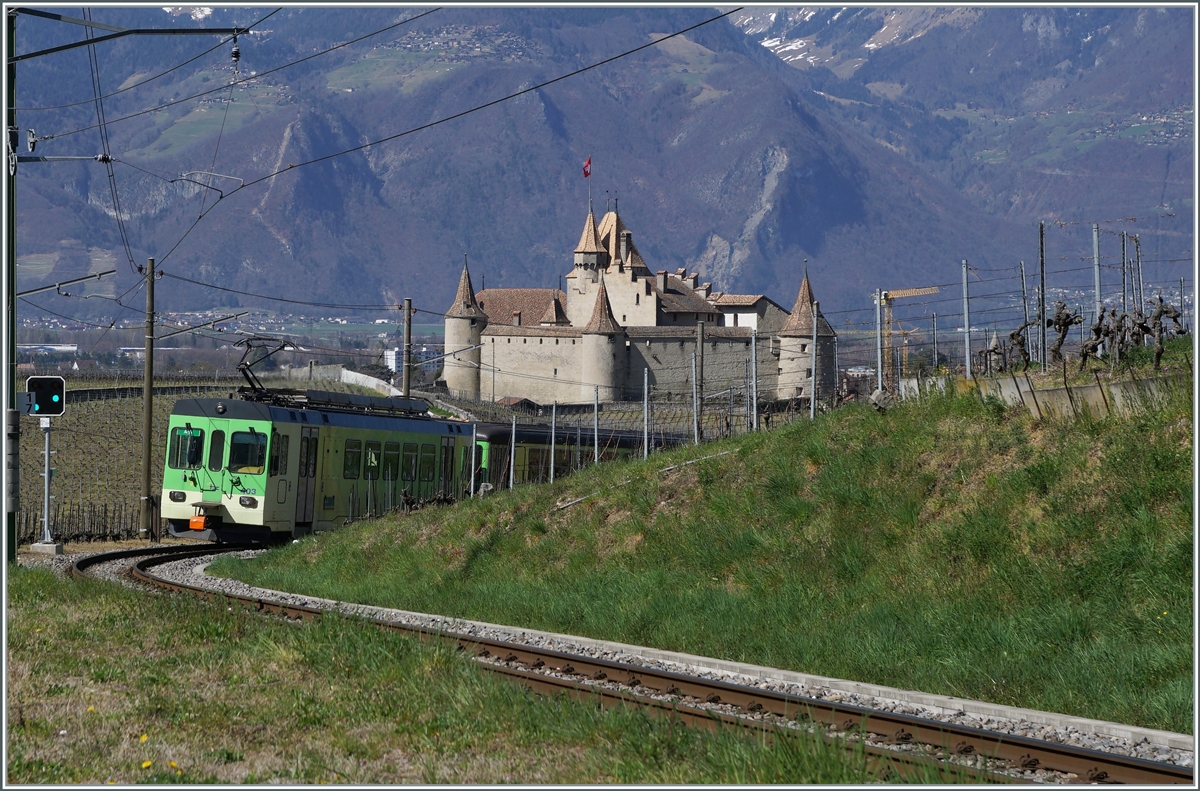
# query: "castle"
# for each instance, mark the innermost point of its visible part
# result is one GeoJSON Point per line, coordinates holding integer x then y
{"type": "Point", "coordinates": [548, 345]}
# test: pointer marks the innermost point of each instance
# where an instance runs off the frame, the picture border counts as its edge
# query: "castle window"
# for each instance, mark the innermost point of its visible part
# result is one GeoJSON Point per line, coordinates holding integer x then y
{"type": "Point", "coordinates": [735, 319]}
{"type": "Point", "coordinates": [524, 340]}
{"type": "Point", "coordinates": [804, 347]}
{"type": "Point", "coordinates": [622, 318]}
{"type": "Point", "coordinates": [556, 341]}
{"type": "Point", "coordinates": [539, 341]}
{"type": "Point", "coordinates": [472, 322]}
{"type": "Point", "coordinates": [556, 372]}
{"type": "Point", "coordinates": [637, 299]}
{"type": "Point", "coordinates": [572, 341]}
{"type": "Point", "coordinates": [807, 372]}
{"type": "Point", "coordinates": [510, 340]}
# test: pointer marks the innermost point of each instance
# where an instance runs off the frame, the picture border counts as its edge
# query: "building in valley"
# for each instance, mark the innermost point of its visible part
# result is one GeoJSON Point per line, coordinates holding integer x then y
{"type": "Point", "coordinates": [617, 322]}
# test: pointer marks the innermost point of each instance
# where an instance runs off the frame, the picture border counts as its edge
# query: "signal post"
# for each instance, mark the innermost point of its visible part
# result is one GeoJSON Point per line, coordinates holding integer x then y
{"type": "Point", "coordinates": [47, 398]}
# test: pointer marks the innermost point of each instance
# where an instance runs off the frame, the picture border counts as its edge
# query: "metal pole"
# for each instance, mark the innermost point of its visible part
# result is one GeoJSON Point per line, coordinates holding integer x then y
{"type": "Point", "coordinates": [1024, 304]}
{"type": "Point", "coordinates": [645, 413]}
{"type": "Point", "coordinates": [46, 487]}
{"type": "Point", "coordinates": [512, 455]}
{"type": "Point", "coordinates": [553, 424]}
{"type": "Point", "coordinates": [1096, 263]}
{"type": "Point", "coordinates": [695, 409]}
{"type": "Point", "coordinates": [405, 381]}
{"type": "Point", "coordinates": [474, 461]}
{"type": "Point", "coordinates": [1042, 293]}
{"type": "Point", "coordinates": [148, 404]}
{"type": "Point", "coordinates": [700, 376]}
{"type": "Point", "coordinates": [1141, 286]}
{"type": "Point", "coordinates": [935, 349]}
{"type": "Point", "coordinates": [13, 423]}
{"type": "Point", "coordinates": [1181, 298]}
{"type": "Point", "coordinates": [493, 369]}
{"type": "Point", "coordinates": [878, 339]}
{"type": "Point", "coordinates": [596, 425]}
{"type": "Point", "coordinates": [754, 372]}
{"type": "Point", "coordinates": [966, 320]}
{"type": "Point", "coordinates": [1082, 324]}
{"type": "Point", "coordinates": [1124, 265]}
{"type": "Point", "coordinates": [812, 396]}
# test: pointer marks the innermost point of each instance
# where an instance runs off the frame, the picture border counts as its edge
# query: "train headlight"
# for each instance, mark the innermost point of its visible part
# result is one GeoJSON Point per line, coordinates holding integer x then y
{"type": "Point", "coordinates": [220, 408]}
{"type": "Point", "coordinates": [177, 497]}
{"type": "Point", "coordinates": [248, 502]}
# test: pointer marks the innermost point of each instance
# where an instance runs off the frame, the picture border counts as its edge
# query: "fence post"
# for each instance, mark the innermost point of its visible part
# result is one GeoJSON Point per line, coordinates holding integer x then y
{"type": "Point", "coordinates": [595, 425]}
{"type": "Point", "coordinates": [645, 413]}
{"type": "Point", "coordinates": [553, 421]}
{"type": "Point", "coordinates": [695, 406]}
{"type": "Point", "coordinates": [754, 372]}
{"type": "Point", "coordinates": [512, 455]}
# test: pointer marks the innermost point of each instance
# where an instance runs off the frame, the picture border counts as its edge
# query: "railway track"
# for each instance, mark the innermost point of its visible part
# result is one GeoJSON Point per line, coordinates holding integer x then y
{"type": "Point", "coordinates": [895, 745]}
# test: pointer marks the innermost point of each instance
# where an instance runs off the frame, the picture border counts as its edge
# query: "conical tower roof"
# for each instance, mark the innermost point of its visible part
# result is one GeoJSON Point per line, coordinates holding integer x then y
{"type": "Point", "coordinates": [800, 321]}
{"type": "Point", "coordinates": [555, 314]}
{"type": "Point", "coordinates": [602, 321]}
{"type": "Point", "coordinates": [589, 240]}
{"type": "Point", "coordinates": [465, 306]}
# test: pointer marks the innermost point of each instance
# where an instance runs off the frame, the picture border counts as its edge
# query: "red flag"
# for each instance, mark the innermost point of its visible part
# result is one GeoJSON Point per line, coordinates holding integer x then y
{"type": "Point", "coordinates": [587, 167]}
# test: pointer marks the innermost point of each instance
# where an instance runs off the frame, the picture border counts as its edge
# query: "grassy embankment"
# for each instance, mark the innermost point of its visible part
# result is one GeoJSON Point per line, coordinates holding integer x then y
{"type": "Point", "coordinates": [106, 684]}
{"type": "Point", "coordinates": [951, 546]}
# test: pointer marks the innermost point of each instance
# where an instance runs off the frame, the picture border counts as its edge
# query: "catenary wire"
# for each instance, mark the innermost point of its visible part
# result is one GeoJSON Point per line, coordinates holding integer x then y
{"type": "Point", "coordinates": [260, 75]}
{"type": "Point", "coordinates": [219, 44]}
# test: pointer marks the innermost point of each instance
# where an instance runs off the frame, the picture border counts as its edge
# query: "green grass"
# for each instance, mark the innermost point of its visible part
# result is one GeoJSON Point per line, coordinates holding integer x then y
{"type": "Point", "coordinates": [953, 546]}
{"type": "Point", "coordinates": [106, 684]}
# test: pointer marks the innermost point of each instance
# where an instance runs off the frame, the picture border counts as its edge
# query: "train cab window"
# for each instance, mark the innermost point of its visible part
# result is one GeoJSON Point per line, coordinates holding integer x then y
{"type": "Point", "coordinates": [216, 450]}
{"type": "Point", "coordinates": [279, 453]}
{"type": "Point", "coordinates": [428, 462]}
{"type": "Point", "coordinates": [409, 470]}
{"type": "Point", "coordinates": [187, 448]}
{"type": "Point", "coordinates": [371, 468]}
{"type": "Point", "coordinates": [352, 459]}
{"type": "Point", "coordinates": [391, 461]}
{"type": "Point", "coordinates": [248, 452]}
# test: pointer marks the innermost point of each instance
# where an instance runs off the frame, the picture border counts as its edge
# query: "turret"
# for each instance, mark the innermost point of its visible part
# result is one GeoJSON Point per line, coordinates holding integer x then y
{"type": "Point", "coordinates": [796, 352]}
{"type": "Point", "coordinates": [465, 322]}
{"type": "Point", "coordinates": [603, 351]}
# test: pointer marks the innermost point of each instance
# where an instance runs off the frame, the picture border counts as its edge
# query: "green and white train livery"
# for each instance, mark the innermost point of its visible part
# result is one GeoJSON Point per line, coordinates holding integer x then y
{"type": "Point", "coordinates": [274, 464]}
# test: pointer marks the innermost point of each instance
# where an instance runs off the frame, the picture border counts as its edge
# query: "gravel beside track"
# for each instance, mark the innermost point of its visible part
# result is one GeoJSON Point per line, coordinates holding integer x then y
{"type": "Point", "coordinates": [1114, 738]}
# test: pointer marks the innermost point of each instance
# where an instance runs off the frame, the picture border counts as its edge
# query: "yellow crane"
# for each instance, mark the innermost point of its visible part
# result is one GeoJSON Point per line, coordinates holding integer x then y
{"type": "Point", "coordinates": [887, 298]}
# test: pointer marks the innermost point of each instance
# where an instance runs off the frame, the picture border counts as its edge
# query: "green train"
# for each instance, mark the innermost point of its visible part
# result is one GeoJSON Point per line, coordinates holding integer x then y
{"type": "Point", "coordinates": [271, 466]}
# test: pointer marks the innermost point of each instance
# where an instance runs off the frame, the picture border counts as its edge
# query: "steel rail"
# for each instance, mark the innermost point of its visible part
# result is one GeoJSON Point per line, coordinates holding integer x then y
{"type": "Point", "coordinates": [947, 739]}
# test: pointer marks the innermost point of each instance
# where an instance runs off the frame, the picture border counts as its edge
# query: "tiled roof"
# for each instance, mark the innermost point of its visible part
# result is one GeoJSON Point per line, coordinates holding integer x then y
{"type": "Point", "coordinates": [589, 240]}
{"type": "Point", "coordinates": [531, 331]}
{"type": "Point", "coordinates": [555, 314]}
{"type": "Point", "coordinates": [680, 298]}
{"type": "Point", "coordinates": [602, 321]}
{"type": "Point", "coordinates": [465, 306]}
{"type": "Point", "coordinates": [734, 300]}
{"type": "Point", "coordinates": [644, 333]}
{"type": "Point", "coordinates": [500, 303]}
{"type": "Point", "coordinates": [800, 322]}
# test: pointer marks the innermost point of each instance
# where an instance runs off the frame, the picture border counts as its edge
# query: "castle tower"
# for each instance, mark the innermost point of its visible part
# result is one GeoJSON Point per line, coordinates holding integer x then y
{"type": "Point", "coordinates": [603, 351]}
{"type": "Point", "coordinates": [590, 258]}
{"type": "Point", "coordinates": [796, 352]}
{"type": "Point", "coordinates": [465, 322]}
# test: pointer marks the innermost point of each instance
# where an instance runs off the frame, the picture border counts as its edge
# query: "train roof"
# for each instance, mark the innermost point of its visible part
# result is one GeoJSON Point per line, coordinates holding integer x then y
{"type": "Point", "coordinates": [235, 409]}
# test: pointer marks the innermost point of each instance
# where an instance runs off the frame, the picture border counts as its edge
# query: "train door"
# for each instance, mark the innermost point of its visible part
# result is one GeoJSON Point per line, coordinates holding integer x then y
{"type": "Point", "coordinates": [278, 506]}
{"type": "Point", "coordinates": [447, 476]}
{"type": "Point", "coordinates": [306, 475]}
{"type": "Point", "coordinates": [214, 462]}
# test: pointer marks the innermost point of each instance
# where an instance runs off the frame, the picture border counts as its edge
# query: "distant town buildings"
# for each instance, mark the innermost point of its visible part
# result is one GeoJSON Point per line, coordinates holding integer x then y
{"type": "Point", "coordinates": [617, 320]}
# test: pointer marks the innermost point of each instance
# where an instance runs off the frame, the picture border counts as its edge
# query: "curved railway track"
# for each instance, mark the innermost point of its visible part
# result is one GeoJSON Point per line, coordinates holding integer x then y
{"type": "Point", "coordinates": [896, 745]}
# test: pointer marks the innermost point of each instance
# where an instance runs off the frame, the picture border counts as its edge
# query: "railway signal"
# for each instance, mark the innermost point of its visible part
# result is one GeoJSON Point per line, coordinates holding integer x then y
{"type": "Point", "coordinates": [49, 395]}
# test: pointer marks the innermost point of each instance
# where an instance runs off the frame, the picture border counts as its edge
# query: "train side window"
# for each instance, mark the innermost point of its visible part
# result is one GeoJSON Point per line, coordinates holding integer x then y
{"type": "Point", "coordinates": [312, 458]}
{"type": "Point", "coordinates": [248, 452]}
{"type": "Point", "coordinates": [409, 470]}
{"type": "Point", "coordinates": [428, 462]}
{"type": "Point", "coordinates": [391, 461]}
{"type": "Point", "coordinates": [371, 468]}
{"type": "Point", "coordinates": [216, 450]}
{"type": "Point", "coordinates": [302, 466]}
{"type": "Point", "coordinates": [187, 448]}
{"type": "Point", "coordinates": [279, 453]}
{"type": "Point", "coordinates": [352, 459]}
